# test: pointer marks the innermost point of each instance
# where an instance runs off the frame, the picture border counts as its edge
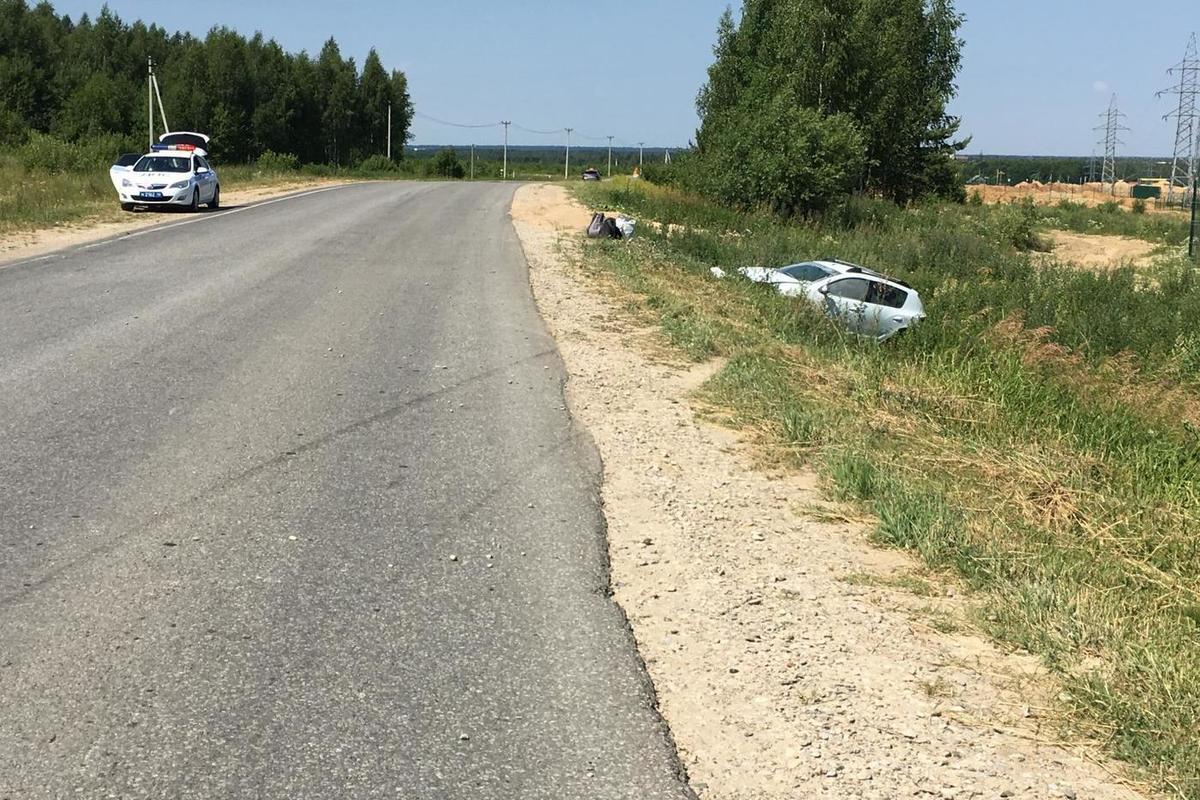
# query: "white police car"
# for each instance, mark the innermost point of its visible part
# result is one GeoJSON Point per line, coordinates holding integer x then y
{"type": "Point", "coordinates": [175, 173]}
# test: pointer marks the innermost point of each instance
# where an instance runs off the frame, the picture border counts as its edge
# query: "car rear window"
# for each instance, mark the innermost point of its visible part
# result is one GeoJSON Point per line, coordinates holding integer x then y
{"type": "Point", "coordinates": [163, 164]}
{"type": "Point", "coordinates": [882, 294]}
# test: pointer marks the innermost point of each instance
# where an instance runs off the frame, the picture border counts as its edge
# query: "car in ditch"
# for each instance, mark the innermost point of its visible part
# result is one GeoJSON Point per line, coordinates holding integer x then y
{"type": "Point", "coordinates": [865, 301]}
{"type": "Point", "coordinates": [175, 173]}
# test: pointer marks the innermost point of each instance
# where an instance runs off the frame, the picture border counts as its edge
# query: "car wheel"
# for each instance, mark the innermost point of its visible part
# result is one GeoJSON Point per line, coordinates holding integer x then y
{"type": "Point", "coordinates": [195, 205]}
{"type": "Point", "coordinates": [215, 203]}
{"type": "Point", "coordinates": [127, 206]}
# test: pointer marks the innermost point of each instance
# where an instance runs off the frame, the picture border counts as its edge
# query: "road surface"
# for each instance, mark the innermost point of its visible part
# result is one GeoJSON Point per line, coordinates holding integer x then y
{"type": "Point", "coordinates": [290, 507]}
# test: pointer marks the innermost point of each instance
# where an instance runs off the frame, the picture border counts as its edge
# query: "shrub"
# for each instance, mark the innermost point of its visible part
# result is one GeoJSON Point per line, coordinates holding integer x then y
{"type": "Point", "coordinates": [46, 153]}
{"type": "Point", "coordinates": [446, 164]}
{"type": "Point", "coordinates": [662, 174]}
{"type": "Point", "coordinates": [377, 163]}
{"type": "Point", "coordinates": [272, 162]}
{"type": "Point", "coordinates": [1016, 225]}
{"type": "Point", "coordinates": [784, 157]}
{"type": "Point", "coordinates": [1139, 206]}
{"type": "Point", "coordinates": [13, 130]}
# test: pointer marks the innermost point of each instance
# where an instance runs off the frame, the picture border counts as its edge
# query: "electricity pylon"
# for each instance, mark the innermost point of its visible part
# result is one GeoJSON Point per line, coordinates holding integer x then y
{"type": "Point", "coordinates": [1112, 128]}
{"type": "Point", "coordinates": [1187, 124]}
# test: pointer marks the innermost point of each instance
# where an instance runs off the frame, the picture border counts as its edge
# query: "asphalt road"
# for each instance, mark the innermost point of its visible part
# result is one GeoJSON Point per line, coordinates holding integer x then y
{"type": "Point", "coordinates": [290, 507]}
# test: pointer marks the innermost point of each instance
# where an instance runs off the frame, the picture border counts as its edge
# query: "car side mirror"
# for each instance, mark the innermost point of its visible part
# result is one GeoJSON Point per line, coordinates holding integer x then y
{"type": "Point", "coordinates": [201, 170]}
{"type": "Point", "coordinates": [823, 290]}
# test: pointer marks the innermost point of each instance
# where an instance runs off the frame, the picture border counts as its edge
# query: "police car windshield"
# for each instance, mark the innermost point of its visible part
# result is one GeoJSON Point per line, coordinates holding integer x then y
{"type": "Point", "coordinates": [163, 164]}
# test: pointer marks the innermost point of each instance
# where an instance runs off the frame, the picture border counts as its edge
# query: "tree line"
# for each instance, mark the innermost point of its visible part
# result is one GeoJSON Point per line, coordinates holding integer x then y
{"type": "Point", "coordinates": [83, 79]}
{"type": "Point", "coordinates": [809, 100]}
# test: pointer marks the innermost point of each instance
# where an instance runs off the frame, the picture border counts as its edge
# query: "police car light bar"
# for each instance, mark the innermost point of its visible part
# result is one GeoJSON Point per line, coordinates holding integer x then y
{"type": "Point", "coordinates": [161, 147]}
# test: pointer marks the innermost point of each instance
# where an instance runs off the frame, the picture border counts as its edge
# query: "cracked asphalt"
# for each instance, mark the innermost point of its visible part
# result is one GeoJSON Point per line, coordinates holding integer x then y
{"type": "Point", "coordinates": [291, 507]}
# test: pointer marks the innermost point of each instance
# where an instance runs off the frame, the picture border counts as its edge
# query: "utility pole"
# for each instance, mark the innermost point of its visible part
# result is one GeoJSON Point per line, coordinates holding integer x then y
{"type": "Point", "coordinates": [389, 131]}
{"type": "Point", "coordinates": [150, 99]}
{"type": "Point", "coordinates": [506, 123]}
{"type": "Point", "coordinates": [151, 93]}
{"type": "Point", "coordinates": [472, 162]}
{"type": "Point", "coordinates": [567, 165]}
{"type": "Point", "coordinates": [1187, 124]}
{"type": "Point", "coordinates": [641, 153]}
{"type": "Point", "coordinates": [610, 156]}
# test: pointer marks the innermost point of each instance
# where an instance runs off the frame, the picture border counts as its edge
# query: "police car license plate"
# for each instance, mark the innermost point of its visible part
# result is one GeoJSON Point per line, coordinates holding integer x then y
{"type": "Point", "coordinates": [151, 195]}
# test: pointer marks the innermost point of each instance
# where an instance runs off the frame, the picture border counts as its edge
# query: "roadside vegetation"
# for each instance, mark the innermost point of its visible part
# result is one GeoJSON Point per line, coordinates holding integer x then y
{"type": "Point", "coordinates": [1038, 436]}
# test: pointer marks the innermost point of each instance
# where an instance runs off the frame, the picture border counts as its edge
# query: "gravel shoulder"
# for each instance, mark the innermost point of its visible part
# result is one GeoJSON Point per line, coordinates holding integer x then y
{"type": "Point", "coordinates": [787, 658]}
{"type": "Point", "coordinates": [18, 245]}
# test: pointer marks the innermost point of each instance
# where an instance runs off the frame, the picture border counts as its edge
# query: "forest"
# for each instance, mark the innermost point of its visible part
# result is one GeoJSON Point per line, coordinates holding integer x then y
{"type": "Point", "coordinates": [84, 81]}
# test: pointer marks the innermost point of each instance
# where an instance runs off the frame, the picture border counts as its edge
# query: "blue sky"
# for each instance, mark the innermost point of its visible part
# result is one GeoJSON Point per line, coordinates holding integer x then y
{"type": "Point", "coordinates": [1036, 73]}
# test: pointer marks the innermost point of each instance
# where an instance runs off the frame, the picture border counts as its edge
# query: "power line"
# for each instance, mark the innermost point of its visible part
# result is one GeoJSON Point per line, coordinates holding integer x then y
{"type": "Point", "coordinates": [523, 129]}
{"type": "Point", "coordinates": [593, 138]}
{"type": "Point", "coordinates": [456, 124]}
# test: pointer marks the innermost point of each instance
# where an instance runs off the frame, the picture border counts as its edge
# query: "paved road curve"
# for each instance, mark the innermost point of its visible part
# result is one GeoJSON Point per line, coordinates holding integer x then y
{"type": "Point", "coordinates": [290, 508]}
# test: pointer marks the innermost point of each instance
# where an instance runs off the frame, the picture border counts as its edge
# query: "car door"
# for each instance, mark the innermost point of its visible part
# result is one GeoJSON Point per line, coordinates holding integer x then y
{"type": "Point", "coordinates": [846, 301]}
{"type": "Point", "coordinates": [208, 180]}
{"type": "Point", "coordinates": [886, 309]}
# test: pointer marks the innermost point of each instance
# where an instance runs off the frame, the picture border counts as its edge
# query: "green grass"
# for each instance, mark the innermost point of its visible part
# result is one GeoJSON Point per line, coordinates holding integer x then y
{"type": "Point", "coordinates": [33, 199]}
{"type": "Point", "coordinates": [1038, 436]}
{"type": "Point", "coordinates": [1111, 219]}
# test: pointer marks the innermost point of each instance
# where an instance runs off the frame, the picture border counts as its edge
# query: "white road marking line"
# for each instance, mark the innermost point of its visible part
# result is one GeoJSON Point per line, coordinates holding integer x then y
{"type": "Point", "coordinates": [28, 261]}
{"type": "Point", "coordinates": [239, 210]}
{"type": "Point", "coordinates": [156, 229]}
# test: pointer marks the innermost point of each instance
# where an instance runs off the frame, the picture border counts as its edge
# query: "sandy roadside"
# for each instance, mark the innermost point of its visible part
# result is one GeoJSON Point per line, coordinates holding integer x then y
{"type": "Point", "coordinates": [782, 665]}
{"type": "Point", "coordinates": [31, 244]}
{"type": "Point", "coordinates": [1094, 251]}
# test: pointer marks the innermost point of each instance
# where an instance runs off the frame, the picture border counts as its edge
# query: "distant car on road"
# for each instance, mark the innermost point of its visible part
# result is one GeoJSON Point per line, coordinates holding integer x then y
{"type": "Point", "coordinates": [175, 173]}
{"type": "Point", "coordinates": [865, 301]}
{"type": "Point", "coordinates": [591, 174]}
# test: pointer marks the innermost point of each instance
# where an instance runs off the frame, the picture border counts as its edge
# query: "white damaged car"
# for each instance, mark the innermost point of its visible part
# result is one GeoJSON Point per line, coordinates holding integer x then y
{"type": "Point", "coordinates": [175, 173]}
{"type": "Point", "coordinates": [865, 301]}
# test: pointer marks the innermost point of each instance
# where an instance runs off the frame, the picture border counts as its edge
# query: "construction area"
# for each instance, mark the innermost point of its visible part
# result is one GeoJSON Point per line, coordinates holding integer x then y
{"type": "Point", "coordinates": [1102, 181]}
